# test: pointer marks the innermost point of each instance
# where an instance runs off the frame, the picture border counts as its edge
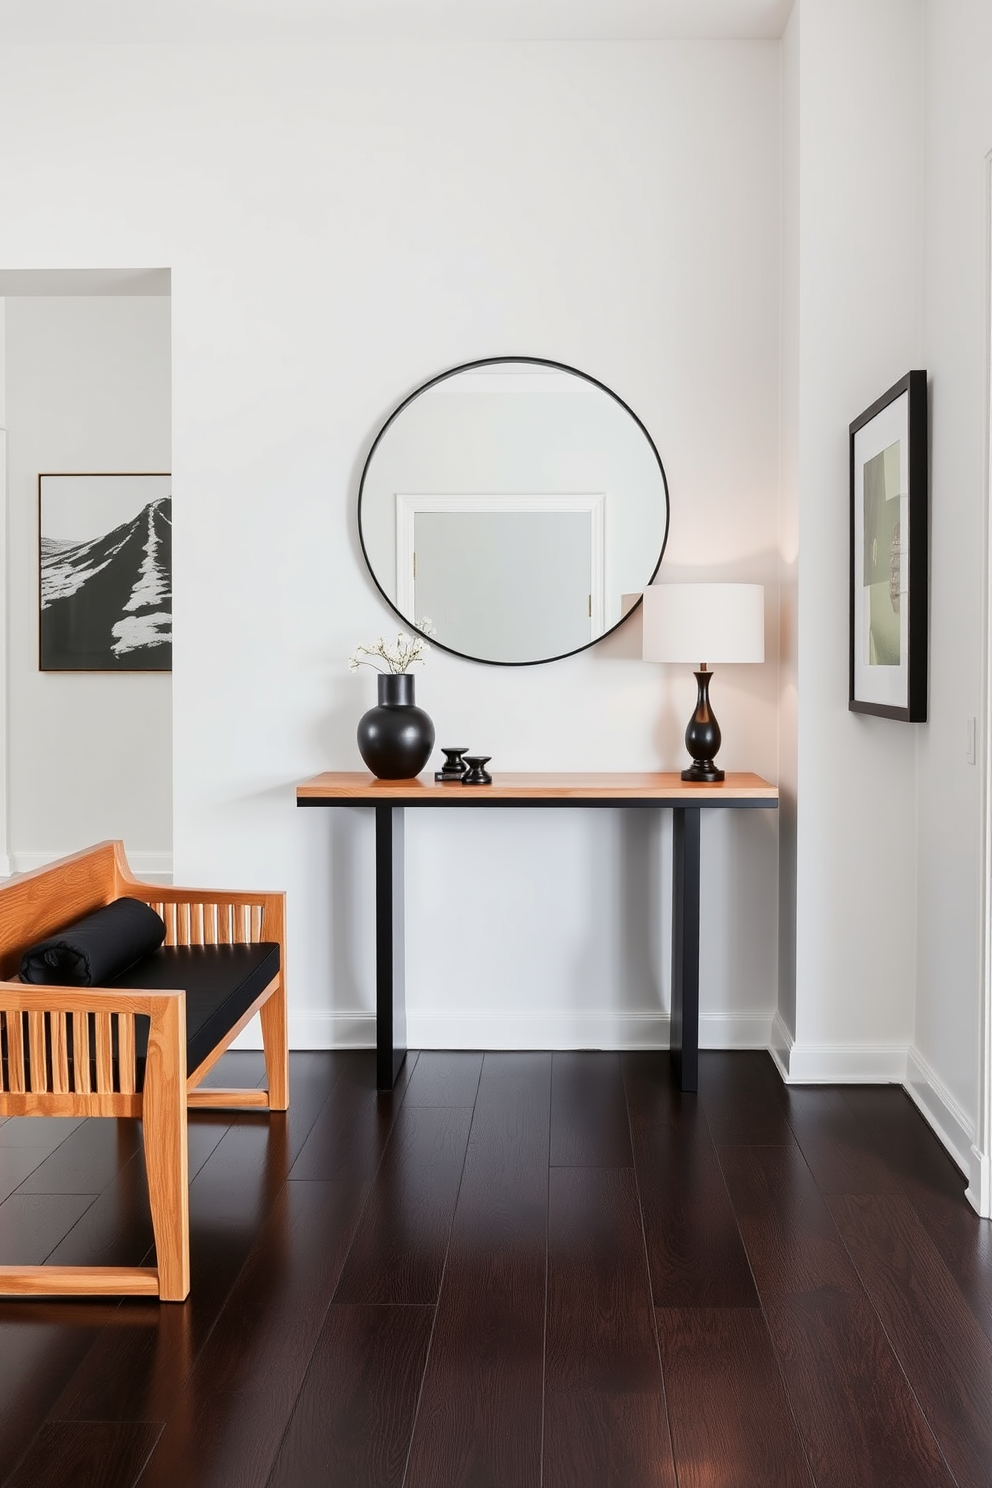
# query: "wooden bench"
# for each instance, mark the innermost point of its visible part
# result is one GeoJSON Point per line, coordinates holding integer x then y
{"type": "Point", "coordinates": [81, 1051]}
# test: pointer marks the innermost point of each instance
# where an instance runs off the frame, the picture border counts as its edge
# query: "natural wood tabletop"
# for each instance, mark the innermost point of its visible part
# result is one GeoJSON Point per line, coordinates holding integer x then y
{"type": "Point", "coordinates": [357, 787]}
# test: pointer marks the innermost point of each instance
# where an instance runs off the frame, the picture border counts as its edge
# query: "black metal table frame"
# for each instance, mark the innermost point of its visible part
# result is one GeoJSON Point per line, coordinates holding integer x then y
{"type": "Point", "coordinates": [390, 960]}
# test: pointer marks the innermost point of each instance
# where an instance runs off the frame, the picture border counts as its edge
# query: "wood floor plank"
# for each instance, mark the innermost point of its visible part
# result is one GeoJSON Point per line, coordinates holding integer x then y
{"type": "Point", "coordinates": [896, 1132]}
{"type": "Point", "coordinates": [789, 1233]}
{"type": "Point", "coordinates": [226, 1424]}
{"type": "Point", "coordinates": [696, 1255]}
{"type": "Point", "coordinates": [860, 1424]}
{"type": "Point", "coordinates": [352, 1130]}
{"type": "Point", "coordinates": [116, 1228]}
{"type": "Point", "coordinates": [589, 1126]}
{"type": "Point", "coordinates": [444, 1078]}
{"type": "Point", "coordinates": [527, 1064]}
{"type": "Point", "coordinates": [40, 1348]}
{"type": "Point", "coordinates": [351, 1110]}
{"type": "Point", "coordinates": [238, 1069]}
{"type": "Point", "coordinates": [943, 1351]}
{"type": "Point", "coordinates": [31, 1225]}
{"type": "Point", "coordinates": [17, 1164]}
{"type": "Point", "coordinates": [399, 1251]}
{"type": "Point", "coordinates": [110, 1454]}
{"type": "Point", "coordinates": [480, 1413]}
{"type": "Point", "coordinates": [963, 1241]}
{"type": "Point", "coordinates": [88, 1159]}
{"type": "Point", "coordinates": [934, 1186]}
{"type": "Point", "coordinates": [313, 1076]}
{"type": "Point", "coordinates": [606, 1420]}
{"type": "Point", "coordinates": [743, 1098]}
{"type": "Point", "coordinates": [722, 1380]}
{"type": "Point", "coordinates": [352, 1422]}
{"type": "Point", "coordinates": [34, 1131]}
{"type": "Point", "coordinates": [839, 1149]}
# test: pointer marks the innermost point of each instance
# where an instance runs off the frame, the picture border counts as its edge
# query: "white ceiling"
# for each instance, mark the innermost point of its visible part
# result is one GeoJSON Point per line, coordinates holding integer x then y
{"type": "Point", "coordinates": [306, 20]}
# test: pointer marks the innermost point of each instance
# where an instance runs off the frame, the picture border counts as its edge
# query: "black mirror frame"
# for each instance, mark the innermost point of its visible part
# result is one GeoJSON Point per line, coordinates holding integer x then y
{"type": "Point", "coordinates": [490, 362]}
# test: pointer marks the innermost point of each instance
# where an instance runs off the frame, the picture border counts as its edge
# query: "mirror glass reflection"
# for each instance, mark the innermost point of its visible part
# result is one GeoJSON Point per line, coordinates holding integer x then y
{"type": "Point", "coordinates": [514, 502]}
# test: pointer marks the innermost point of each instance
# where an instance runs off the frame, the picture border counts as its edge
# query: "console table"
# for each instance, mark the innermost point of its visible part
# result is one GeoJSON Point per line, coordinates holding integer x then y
{"type": "Point", "coordinates": [390, 798]}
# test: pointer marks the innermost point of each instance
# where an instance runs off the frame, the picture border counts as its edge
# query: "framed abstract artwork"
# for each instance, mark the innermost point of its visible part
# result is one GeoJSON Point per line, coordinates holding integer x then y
{"type": "Point", "coordinates": [889, 554]}
{"type": "Point", "coordinates": [105, 548]}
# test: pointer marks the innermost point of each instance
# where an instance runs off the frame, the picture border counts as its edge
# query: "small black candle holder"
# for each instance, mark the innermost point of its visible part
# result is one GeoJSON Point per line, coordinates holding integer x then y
{"type": "Point", "coordinates": [477, 774]}
{"type": "Point", "coordinates": [454, 765]}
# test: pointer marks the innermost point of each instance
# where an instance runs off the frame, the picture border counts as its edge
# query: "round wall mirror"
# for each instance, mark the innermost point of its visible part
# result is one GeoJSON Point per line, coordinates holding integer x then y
{"type": "Point", "coordinates": [513, 502]}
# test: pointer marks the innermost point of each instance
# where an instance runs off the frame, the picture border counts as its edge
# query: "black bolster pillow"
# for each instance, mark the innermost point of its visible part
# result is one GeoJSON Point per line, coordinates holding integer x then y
{"type": "Point", "coordinates": [97, 948]}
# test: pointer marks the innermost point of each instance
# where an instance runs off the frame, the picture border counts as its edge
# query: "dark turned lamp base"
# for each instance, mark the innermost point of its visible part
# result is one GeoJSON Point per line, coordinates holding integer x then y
{"type": "Point", "coordinates": [702, 737]}
{"type": "Point", "coordinates": [704, 772]}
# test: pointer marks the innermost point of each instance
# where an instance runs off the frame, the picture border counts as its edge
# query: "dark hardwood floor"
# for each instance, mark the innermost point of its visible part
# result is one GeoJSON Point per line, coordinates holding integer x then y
{"type": "Point", "coordinates": [515, 1271]}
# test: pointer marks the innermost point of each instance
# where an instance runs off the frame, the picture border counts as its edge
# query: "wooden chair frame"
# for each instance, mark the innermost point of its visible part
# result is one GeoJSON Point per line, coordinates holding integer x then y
{"type": "Point", "coordinates": [42, 1081]}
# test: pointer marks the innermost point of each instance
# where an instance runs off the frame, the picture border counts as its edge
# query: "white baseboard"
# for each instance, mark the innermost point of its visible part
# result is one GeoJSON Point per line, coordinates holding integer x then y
{"type": "Point", "coordinates": [950, 1122]}
{"type": "Point", "coordinates": [978, 1193]}
{"type": "Point", "coordinates": [592, 1029]}
{"type": "Point", "coordinates": [835, 1064]}
{"type": "Point", "coordinates": [318, 1031]}
{"type": "Point", "coordinates": [734, 1030]}
{"type": "Point", "coordinates": [589, 1028]}
{"type": "Point", "coordinates": [155, 866]}
{"type": "Point", "coordinates": [574, 1028]}
{"type": "Point", "coordinates": [780, 1045]}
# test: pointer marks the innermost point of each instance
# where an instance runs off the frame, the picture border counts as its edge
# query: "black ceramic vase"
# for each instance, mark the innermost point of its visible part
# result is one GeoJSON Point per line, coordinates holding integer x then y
{"type": "Point", "coordinates": [395, 738]}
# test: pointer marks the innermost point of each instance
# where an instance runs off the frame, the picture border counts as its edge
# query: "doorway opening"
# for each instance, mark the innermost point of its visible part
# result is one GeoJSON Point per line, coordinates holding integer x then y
{"type": "Point", "coordinates": [85, 412]}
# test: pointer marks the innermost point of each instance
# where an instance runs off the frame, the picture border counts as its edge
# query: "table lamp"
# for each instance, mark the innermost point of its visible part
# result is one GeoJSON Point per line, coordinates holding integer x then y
{"type": "Point", "coordinates": [703, 623]}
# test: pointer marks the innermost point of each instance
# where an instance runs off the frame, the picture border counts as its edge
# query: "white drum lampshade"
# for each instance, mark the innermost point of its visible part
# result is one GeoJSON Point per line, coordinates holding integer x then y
{"type": "Point", "coordinates": [702, 624]}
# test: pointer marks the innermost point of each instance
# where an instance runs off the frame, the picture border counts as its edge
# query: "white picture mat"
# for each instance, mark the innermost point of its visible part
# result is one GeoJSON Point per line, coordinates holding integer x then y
{"type": "Point", "coordinates": [887, 685]}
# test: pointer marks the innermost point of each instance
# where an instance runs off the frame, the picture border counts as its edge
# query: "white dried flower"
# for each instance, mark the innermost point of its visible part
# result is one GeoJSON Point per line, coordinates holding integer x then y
{"type": "Point", "coordinates": [397, 656]}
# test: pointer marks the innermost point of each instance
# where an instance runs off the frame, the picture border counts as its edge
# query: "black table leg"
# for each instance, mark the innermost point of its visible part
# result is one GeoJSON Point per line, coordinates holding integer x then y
{"type": "Point", "coordinates": [685, 946]}
{"type": "Point", "coordinates": [390, 986]}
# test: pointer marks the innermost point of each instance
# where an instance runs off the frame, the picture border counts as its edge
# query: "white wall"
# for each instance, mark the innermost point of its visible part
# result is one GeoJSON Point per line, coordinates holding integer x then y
{"type": "Point", "coordinates": [784, 1031]}
{"type": "Point", "coordinates": [958, 140]}
{"type": "Point", "coordinates": [341, 223]}
{"type": "Point", "coordinates": [858, 323]}
{"type": "Point", "coordinates": [892, 267]}
{"type": "Point", "coordinates": [87, 389]}
{"type": "Point", "coordinates": [4, 736]}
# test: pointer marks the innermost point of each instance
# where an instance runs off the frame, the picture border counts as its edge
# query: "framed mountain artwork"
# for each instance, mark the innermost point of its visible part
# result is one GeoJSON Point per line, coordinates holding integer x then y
{"type": "Point", "coordinates": [106, 573]}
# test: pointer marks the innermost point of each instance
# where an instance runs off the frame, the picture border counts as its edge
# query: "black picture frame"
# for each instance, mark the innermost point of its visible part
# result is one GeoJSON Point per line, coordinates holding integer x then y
{"type": "Point", "coordinates": [889, 573]}
{"type": "Point", "coordinates": [105, 571]}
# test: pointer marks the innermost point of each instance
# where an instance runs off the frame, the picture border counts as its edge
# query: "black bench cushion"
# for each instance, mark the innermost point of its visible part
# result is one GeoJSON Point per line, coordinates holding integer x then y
{"type": "Point", "coordinates": [92, 950]}
{"type": "Point", "coordinates": [220, 982]}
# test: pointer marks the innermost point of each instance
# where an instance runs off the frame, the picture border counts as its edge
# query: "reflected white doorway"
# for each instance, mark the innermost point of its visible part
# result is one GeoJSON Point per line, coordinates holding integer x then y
{"type": "Point", "coordinates": [504, 577]}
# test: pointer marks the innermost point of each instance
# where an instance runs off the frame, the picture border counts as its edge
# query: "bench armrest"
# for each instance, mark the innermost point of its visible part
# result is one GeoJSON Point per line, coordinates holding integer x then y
{"type": "Point", "coordinates": [27, 997]}
{"type": "Point", "coordinates": [55, 1050]}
